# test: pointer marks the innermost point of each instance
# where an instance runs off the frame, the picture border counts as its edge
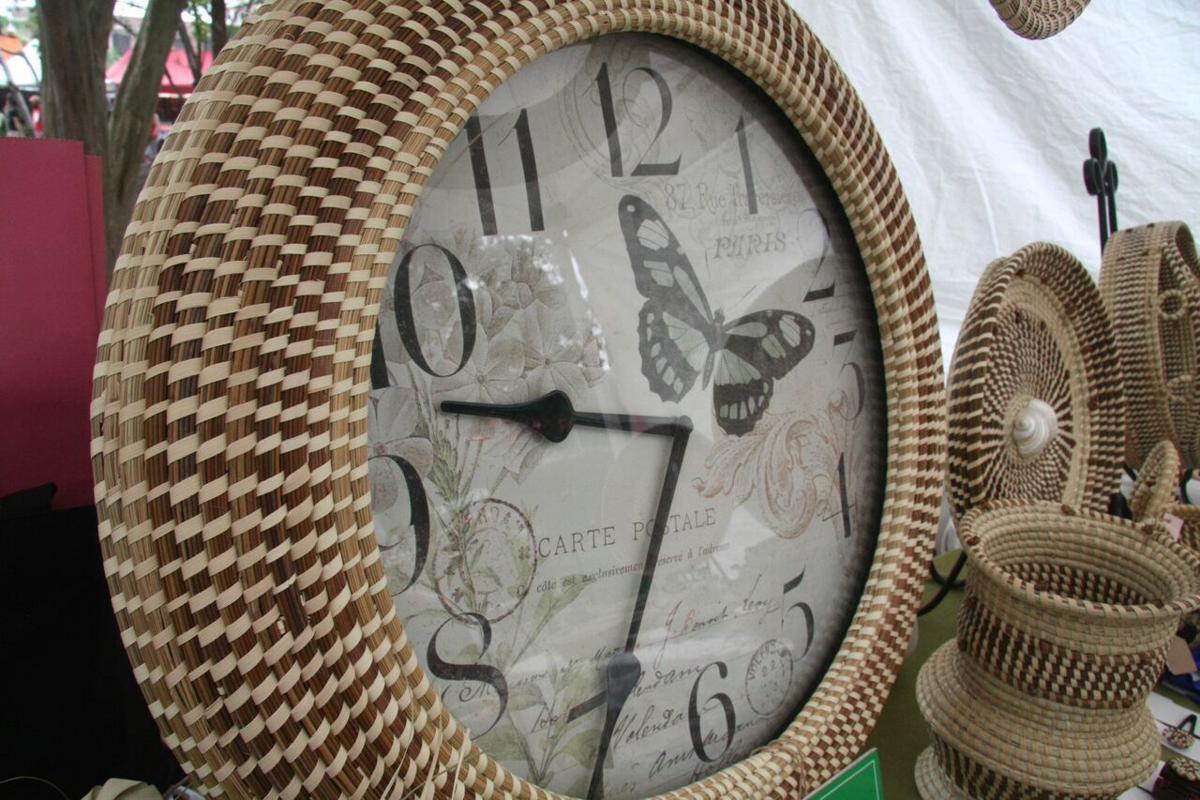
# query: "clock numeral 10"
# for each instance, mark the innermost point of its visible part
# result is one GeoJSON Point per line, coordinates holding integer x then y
{"type": "Point", "coordinates": [608, 112]}
{"type": "Point", "coordinates": [418, 504]}
{"type": "Point", "coordinates": [483, 181]}
{"type": "Point", "coordinates": [483, 673]}
{"type": "Point", "coordinates": [694, 711]}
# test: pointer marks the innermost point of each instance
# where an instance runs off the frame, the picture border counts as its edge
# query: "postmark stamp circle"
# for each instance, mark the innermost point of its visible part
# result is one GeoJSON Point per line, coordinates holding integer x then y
{"type": "Point", "coordinates": [486, 565]}
{"type": "Point", "coordinates": [768, 677]}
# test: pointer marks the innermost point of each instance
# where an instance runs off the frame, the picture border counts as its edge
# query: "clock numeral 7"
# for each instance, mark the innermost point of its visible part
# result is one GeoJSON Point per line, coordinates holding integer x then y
{"type": "Point", "coordinates": [694, 712]}
{"type": "Point", "coordinates": [418, 504]}
{"type": "Point", "coordinates": [406, 326]}
{"type": "Point", "coordinates": [804, 608]}
{"type": "Point", "coordinates": [483, 673]}
{"type": "Point", "coordinates": [483, 181]}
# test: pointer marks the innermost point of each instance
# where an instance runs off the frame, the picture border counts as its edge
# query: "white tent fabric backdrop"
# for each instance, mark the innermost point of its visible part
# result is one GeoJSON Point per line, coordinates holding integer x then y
{"type": "Point", "coordinates": [989, 131]}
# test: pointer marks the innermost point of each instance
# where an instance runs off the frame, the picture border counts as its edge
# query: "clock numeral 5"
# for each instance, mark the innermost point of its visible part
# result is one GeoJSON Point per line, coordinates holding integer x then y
{"type": "Point", "coordinates": [483, 673]}
{"type": "Point", "coordinates": [608, 112]}
{"type": "Point", "coordinates": [418, 504]}
{"type": "Point", "coordinates": [804, 608]}
{"type": "Point", "coordinates": [483, 181]}
{"type": "Point", "coordinates": [405, 325]}
{"type": "Point", "coordinates": [694, 711]}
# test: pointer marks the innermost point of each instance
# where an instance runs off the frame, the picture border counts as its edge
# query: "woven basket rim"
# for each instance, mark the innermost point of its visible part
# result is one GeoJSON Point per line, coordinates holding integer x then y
{"type": "Point", "coordinates": [1150, 535]}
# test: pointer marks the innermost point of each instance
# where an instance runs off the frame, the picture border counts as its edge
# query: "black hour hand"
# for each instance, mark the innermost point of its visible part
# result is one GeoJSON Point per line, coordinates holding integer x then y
{"type": "Point", "coordinates": [553, 417]}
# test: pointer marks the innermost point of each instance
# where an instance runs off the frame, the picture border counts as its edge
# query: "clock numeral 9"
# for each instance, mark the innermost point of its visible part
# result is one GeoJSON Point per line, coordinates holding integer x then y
{"type": "Point", "coordinates": [694, 711]}
{"type": "Point", "coordinates": [483, 181]}
{"type": "Point", "coordinates": [804, 608]}
{"type": "Point", "coordinates": [608, 112]}
{"type": "Point", "coordinates": [482, 673]}
{"type": "Point", "coordinates": [418, 504]}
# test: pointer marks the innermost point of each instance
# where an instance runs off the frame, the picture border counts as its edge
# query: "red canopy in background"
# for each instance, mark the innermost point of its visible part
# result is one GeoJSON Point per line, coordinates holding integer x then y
{"type": "Point", "coordinates": [177, 76]}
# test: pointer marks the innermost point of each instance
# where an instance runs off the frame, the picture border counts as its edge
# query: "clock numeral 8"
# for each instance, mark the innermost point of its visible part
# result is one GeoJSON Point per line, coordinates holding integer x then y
{"type": "Point", "coordinates": [483, 673]}
{"type": "Point", "coordinates": [418, 504]}
{"type": "Point", "coordinates": [694, 712]}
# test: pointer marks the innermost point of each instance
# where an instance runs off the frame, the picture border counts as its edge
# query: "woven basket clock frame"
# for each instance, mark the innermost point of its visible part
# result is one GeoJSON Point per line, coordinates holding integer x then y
{"type": "Point", "coordinates": [230, 399]}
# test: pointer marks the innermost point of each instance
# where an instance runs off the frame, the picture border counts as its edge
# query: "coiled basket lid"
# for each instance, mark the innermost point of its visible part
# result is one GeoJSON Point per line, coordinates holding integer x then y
{"type": "Point", "coordinates": [1038, 19]}
{"type": "Point", "coordinates": [1150, 282]}
{"type": "Point", "coordinates": [1036, 349]}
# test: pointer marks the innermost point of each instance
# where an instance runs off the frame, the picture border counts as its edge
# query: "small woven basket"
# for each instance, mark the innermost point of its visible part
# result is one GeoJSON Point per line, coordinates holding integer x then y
{"type": "Point", "coordinates": [1038, 19]}
{"type": "Point", "coordinates": [1155, 490]}
{"type": "Point", "coordinates": [1061, 636]}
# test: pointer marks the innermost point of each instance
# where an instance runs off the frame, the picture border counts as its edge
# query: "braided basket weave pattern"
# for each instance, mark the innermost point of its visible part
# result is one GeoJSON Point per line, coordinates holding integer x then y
{"type": "Point", "coordinates": [1060, 638]}
{"type": "Point", "coordinates": [229, 417]}
{"type": "Point", "coordinates": [1150, 282]}
{"type": "Point", "coordinates": [1158, 481]}
{"type": "Point", "coordinates": [1035, 330]}
{"type": "Point", "coordinates": [1038, 19]}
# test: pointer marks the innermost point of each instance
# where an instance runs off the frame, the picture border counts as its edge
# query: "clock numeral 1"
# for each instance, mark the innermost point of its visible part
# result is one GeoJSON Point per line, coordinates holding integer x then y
{"type": "Point", "coordinates": [402, 295]}
{"type": "Point", "coordinates": [483, 181]}
{"type": "Point", "coordinates": [694, 712]}
{"type": "Point", "coordinates": [751, 195]}
{"type": "Point", "coordinates": [804, 608]}
{"type": "Point", "coordinates": [418, 504]}
{"type": "Point", "coordinates": [483, 673]}
{"type": "Point", "coordinates": [608, 113]}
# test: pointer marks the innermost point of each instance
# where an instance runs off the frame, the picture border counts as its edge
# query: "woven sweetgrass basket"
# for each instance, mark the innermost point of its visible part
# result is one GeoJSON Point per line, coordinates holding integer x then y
{"type": "Point", "coordinates": [229, 417]}
{"type": "Point", "coordinates": [1157, 484]}
{"type": "Point", "coordinates": [1061, 637]}
{"type": "Point", "coordinates": [1036, 397]}
{"type": "Point", "coordinates": [1150, 282]}
{"type": "Point", "coordinates": [1038, 19]}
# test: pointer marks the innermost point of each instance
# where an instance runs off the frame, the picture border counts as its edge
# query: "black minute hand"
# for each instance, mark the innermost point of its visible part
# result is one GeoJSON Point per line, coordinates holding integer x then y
{"type": "Point", "coordinates": [553, 416]}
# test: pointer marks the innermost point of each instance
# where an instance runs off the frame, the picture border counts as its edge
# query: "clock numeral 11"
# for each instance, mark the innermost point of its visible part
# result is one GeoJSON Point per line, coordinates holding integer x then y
{"type": "Point", "coordinates": [483, 181]}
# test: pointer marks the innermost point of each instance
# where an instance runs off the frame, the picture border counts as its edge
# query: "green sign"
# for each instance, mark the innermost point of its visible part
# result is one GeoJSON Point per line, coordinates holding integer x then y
{"type": "Point", "coordinates": [862, 780]}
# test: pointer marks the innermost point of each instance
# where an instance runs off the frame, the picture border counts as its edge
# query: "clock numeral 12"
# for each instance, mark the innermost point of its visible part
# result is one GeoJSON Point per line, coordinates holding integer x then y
{"type": "Point", "coordinates": [483, 181]}
{"type": "Point", "coordinates": [418, 504]}
{"type": "Point", "coordinates": [694, 711]}
{"type": "Point", "coordinates": [608, 112]}
{"type": "Point", "coordinates": [483, 673]}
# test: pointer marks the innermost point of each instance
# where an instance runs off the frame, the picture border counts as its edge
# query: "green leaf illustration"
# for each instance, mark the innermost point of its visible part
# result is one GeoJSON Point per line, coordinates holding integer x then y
{"type": "Point", "coordinates": [583, 746]}
{"type": "Point", "coordinates": [525, 695]}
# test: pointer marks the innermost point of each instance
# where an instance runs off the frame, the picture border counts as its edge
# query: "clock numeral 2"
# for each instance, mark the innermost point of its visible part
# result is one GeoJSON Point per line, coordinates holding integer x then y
{"type": "Point", "coordinates": [694, 712]}
{"type": "Point", "coordinates": [418, 504]}
{"type": "Point", "coordinates": [483, 181]}
{"type": "Point", "coordinates": [483, 673]}
{"type": "Point", "coordinates": [608, 112]}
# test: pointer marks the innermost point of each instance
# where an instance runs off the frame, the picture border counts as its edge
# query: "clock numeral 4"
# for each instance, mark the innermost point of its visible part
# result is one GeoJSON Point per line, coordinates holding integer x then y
{"type": "Point", "coordinates": [694, 711]}
{"type": "Point", "coordinates": [483, 181]}
{"type": "Point", "coordinates": [418, 503]}
{"type": "Point", "coordinates": [608, 112]}
{"type": "Point", "coordinates": [482, 673]}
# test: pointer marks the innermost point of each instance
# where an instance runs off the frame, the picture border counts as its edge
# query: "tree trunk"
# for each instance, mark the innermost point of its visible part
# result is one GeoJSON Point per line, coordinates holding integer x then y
{"type": "Point", "coordinates": [190, 51]}
{"type": "Point", "coordinates": [220, 30]}
{"type": "Point", "coordinates": [74, 42]}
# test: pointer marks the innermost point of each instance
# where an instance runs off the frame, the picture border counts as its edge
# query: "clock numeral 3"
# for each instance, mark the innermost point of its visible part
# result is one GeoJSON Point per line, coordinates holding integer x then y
{"type": "Point", "coordinates": [608, 112]}
{"type": "Point", "coordinates": [694, 711]}
{"type": "Point", "coordinates": [804, 608]}
{"type": "Point", "coordinates": [483, 673]}
{"type": "Point", "coordinates": [402, 294]}
{"type": "Point", "coordinates": [418, 504]}
{"type": "Point", "coordinates": [483, 181]}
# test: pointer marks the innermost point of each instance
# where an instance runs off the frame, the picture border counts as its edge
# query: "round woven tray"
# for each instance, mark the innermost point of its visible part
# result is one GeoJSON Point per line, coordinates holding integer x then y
{"type": "Point", "coordinates": [1038, 19]}
{"type": "Point", "coordinates": [1150, 282]}
{"type": "Point", "coordinates": [1035, 332]}
{"type": "Point", "coordinates": [1157, 483]}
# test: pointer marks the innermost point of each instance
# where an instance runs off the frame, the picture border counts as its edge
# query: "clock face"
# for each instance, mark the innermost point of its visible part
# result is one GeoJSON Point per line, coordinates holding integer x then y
{"type": "Point", "coordinates": [632, 223]}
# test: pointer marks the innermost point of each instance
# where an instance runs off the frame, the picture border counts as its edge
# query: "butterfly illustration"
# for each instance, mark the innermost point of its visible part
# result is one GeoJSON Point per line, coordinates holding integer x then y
{"type": "Point", "coordinates": [680, 337]}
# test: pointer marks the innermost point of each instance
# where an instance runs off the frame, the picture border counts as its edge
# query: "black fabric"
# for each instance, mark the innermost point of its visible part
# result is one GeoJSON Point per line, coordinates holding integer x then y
{"type": "Point", "coordinates": [27, 501]}
{"type": "Point", "coordinates": [71, 712]}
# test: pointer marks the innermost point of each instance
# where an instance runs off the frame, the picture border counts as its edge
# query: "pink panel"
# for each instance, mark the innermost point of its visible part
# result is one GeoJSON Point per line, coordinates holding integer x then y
{"type": "Point", "coordinates": [51, 298]}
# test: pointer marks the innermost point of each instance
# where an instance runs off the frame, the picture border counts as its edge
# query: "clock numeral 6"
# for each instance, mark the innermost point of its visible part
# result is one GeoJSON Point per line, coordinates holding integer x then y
{"type": "Point", "coordinates": [418, 504]}
{"type": "Point", "coordinates": [406, 326]}
{"type": "Point", "coordinates": [482, 673]}
{"type": "Point", "coordinates": [694, 711]}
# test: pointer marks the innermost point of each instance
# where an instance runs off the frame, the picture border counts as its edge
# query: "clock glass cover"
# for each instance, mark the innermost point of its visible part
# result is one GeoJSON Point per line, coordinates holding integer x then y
{"type": "Point", "coordinates": [631, 233]}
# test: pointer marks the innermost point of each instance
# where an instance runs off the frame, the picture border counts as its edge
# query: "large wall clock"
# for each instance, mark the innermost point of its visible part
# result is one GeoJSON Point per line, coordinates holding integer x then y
{"type": "Point", "coordinates": [519, 399]}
